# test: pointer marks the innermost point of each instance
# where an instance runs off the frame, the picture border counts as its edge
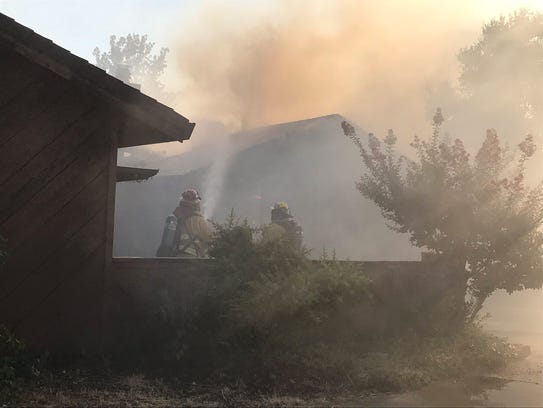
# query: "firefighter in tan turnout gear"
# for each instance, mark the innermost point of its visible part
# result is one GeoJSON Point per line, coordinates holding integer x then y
{"type": "Point", "coordinates": [193, 232]}
{"type": "Point", "coordinates": [186, 232]}
{"type": "Point", "coordinates": [283, 226]}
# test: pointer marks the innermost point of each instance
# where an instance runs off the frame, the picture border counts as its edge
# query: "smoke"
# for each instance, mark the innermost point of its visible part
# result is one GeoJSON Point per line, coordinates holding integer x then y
{"type": "Point", "coordinates": [372, 61]}
{"type": "Point", "coordinates": [380, 63]}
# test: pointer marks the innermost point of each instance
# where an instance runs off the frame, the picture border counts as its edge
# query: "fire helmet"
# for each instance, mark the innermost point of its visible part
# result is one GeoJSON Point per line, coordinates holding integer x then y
{"type": "Point", "coordinates": [190, 195]}
{"type": "Point", "coordinates": [280, 205]}
{"type": "Point", "coordinates": [280, 212]}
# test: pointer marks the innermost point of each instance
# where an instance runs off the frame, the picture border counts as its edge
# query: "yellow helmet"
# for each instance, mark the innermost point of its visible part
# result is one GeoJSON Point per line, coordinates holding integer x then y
{"type": "Point", "coordinates": [280, 205]}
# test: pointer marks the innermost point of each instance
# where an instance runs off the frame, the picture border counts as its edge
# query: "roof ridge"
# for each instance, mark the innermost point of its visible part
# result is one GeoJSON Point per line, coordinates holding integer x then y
{"type": "Point", "coordinates": [292, 122]}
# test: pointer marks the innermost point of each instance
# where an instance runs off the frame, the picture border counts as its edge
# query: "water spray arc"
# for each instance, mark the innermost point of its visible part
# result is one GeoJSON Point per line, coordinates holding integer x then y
{"type": "Point", "coordinates": [216, 175]}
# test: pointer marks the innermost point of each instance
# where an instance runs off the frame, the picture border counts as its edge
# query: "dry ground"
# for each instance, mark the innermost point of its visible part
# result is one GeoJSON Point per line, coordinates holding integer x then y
{"type": "Point", "coordinates": [77, 389]}
{"type": "Point", "coordinates": [138, 391]}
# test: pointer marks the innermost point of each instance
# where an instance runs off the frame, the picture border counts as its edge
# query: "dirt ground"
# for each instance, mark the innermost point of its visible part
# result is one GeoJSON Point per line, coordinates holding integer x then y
{"type": "Point", "coordinates": [521, 379]}
{"type": "Point", "coordinates": [138, 391]}
{"type": "Point", "coordinates": [80, 390]}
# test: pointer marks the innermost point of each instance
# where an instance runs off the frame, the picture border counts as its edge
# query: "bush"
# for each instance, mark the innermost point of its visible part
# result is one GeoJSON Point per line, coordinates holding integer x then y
{"type": "Point", "coordinates": [272, 310]}
{"type": "Point", "coordinates": [274, 318]}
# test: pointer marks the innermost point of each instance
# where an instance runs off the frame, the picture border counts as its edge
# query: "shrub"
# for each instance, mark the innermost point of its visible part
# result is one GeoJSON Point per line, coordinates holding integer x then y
{"type": "Point", "coordinates": [271, 308]}
{"type": "Point", "coordinates": [274, 318]}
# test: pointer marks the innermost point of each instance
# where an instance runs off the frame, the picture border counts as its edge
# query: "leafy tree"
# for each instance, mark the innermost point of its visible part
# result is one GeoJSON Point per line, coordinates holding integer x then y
{"type": "Point", "coordinates": [500, 81]}
{"type": "Point", "coordinates": [477, 214]}
{"type": "Point", "coordinates": [509, 52]}
{"type": "Point", "coordinates": [131, 59]}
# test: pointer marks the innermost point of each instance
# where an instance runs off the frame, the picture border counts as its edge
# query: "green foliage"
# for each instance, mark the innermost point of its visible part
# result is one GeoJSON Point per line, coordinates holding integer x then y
{"type": "Point", "coordinates": [273, 319]}
{"type": "Point", "coordinates": [131, 59]}
{"type": "Point", "coordinates": [274, 314]}
{"type": "Point", "coordinates": [412, 360]}
{"type": "Point", "coordinates": [507, 55]}
{"type": "Point", "coordinates": [240, 254]}
{"type": "Point", "coordinates": [477, 214]}
{"type": "Point", "coordinates": [500, 78]}
{"type": "Point", "coordinates": [271, 308]}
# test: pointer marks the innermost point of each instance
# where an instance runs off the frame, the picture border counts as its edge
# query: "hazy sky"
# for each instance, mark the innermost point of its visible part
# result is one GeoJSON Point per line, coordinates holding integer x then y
{"type": "Point", "coordinates": [80, 25]}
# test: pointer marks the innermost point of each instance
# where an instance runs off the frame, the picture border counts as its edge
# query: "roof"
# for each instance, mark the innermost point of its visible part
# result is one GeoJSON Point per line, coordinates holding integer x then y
{"type": "Point", "coordinates": [134, 173]}
{"type": "Point", "coordinates": [148, 120]}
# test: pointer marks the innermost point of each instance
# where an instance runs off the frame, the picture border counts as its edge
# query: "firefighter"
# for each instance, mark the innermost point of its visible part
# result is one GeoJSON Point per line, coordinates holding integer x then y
{"type": "Point", "coordinates": [193, 232]}
{"type": "Point", "coordinates": [283, 226]}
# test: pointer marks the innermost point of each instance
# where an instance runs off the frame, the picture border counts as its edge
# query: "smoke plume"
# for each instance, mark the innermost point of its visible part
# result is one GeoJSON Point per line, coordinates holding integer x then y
{"type": "Point", "coordinates": [372, 61]}
{"type": "Point", "coordinates": [380, 63]}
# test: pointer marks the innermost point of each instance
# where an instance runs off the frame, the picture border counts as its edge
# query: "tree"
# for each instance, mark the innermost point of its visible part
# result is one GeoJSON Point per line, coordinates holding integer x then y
{"type": "Point", "coordinates": [477, 214]}
{"type": "Point", "coordinates": [130, 59]}
{"type": "Point", "coordinates": [509, 53]}
{"type": "Point", "coordinates": [501, 78]}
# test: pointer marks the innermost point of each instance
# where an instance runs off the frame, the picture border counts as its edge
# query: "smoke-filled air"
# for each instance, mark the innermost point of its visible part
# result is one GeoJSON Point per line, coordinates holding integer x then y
{"type": "Point", "coordinates": [375, 62]}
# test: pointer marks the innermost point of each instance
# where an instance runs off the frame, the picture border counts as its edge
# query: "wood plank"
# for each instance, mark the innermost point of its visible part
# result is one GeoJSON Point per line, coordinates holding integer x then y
{"type": "Point", "coordinates": [22, 110]}
{"type": "Point", "coordinates": [18, 226]}
{"type": "Point", "coordinates": [53, 235]}
{"type": "Point", "coordinates": [70, 318]}
{"type": "Point", "coordinates": [51, 161]}
{"type": "Point", "coordinates": [17, 75]}
{"type": "Point", "coordinates": [44, 129]}
{"type": "Point", "coordinates": [69, 259]}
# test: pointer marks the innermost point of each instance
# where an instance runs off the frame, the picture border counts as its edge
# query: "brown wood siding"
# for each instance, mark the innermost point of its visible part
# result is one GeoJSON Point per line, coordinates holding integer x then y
{"type": "Point", "coordinates": [40, 171]}
{"type": "Point", "coordinates": [55, 159]}
{"type": "Point", "coordinates": [43, 130]}
{"type": "Point", "coordinates": [12, 82]}
{"type": "Point", "coordinates": [49, 240]}
{"type": "Point", "coordinates": [19, 111]}
{"type": "Point", "coordinates": [59, 321]}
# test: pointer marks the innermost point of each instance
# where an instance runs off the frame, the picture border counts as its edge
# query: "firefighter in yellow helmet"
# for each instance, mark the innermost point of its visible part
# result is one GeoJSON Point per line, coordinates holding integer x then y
{"type": "Point", "coordinates": [193, 232]}
{"type": "Point", "coordinates": [283, 226]}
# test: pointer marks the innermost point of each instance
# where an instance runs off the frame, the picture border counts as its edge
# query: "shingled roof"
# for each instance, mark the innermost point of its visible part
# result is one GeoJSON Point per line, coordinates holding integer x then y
{"type": "Point", "coordinates": [148, 121]}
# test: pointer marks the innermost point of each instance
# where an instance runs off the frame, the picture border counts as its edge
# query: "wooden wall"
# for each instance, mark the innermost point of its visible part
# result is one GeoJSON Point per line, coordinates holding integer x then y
{"type": "Point", "coordinates": [56, 157]}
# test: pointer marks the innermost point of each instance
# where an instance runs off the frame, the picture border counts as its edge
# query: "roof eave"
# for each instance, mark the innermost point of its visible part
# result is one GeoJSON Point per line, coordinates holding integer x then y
{"type": "Point", "coordinates": [161, 121]}
{"type": "Point", "coordinates": [134, 173]}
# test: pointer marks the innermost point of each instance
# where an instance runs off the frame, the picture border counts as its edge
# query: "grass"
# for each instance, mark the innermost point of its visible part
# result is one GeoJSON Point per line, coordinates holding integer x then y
{"type": "Point", "coordinates": [80, 390]}
{"type": "Point", "coordinates": [400, 364]}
